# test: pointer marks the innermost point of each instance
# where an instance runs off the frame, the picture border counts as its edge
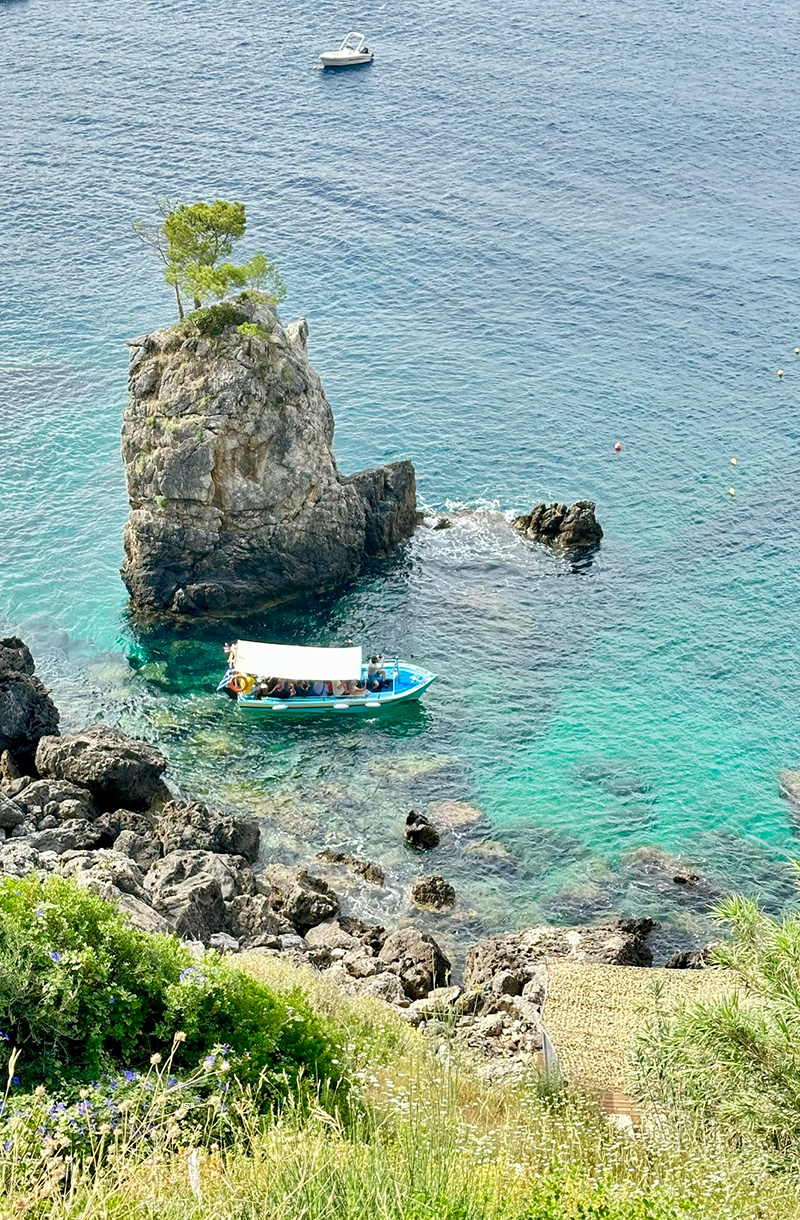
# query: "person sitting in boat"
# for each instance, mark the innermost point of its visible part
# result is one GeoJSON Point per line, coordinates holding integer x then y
{"type": "Point", "coordinates": [376, 674]}
{"type": "Point", "coordinates": [284, 690]}
{"type": "Point", "coordinates": [319, 689]}
{"type": "Point", "coordinates": [338, 689]}
{"type": "Point", "coordinates": [302, 689]}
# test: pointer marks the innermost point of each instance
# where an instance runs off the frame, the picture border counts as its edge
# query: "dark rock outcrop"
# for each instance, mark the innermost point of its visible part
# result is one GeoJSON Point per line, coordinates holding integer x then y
{"type": "Point", "coordinates": [27, 713]}
{"type": "Point", "coordinates": [117, 769]}
{"type": "Point", "coordinates": [573, 529]}
{"type": "Point", "coordinates": [190, 888]}
{"type": "Point", "coordinates": [368, 869]}
{"type": "Point", "coordinates": [236, 500]}
{"type": "Point", "coordinates": [621, 942]}
{"type": "Point", "coordinates": [420, 831]}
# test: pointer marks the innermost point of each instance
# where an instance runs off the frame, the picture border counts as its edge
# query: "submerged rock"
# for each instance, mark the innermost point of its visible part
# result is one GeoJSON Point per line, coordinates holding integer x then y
{"type": "Point", "coordinates": [27, 713]}
{"type": "Point", "coordinates": [368, 869]}
{"type": "Point", "coordinates": [236, 499]}
{"type": "Point", "coordinates": [432, 892]}
{"type": "Point", "coordinates": [574, 529]}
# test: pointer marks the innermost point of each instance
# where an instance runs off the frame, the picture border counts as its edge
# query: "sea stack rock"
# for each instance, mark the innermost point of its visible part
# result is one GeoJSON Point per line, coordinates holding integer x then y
{"type": "Point", "coordinates": [574, 529]}
{"type": "Point", "coordinates": [236, 500]}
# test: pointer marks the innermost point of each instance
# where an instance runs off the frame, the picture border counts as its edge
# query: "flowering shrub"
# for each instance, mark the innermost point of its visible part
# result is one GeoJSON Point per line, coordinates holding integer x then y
{"type": "Point", "coordinates": [83, 995]}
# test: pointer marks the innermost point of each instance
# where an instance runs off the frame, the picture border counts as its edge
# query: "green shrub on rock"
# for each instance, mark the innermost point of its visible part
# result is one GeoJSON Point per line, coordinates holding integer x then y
{"type": "Point", "coordinates": [82, 993]}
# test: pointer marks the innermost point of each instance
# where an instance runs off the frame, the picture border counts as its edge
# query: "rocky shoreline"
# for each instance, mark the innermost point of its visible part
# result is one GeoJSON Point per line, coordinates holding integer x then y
{"type": "Point", "coordinates": [94, 806]}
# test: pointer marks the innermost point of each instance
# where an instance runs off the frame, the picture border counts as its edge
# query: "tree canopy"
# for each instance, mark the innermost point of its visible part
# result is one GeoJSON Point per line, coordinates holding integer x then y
{"type": "Point", "coordinates": [194, 242]}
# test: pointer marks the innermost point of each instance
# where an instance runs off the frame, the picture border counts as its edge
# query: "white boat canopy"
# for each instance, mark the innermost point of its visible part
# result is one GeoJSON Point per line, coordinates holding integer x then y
{"type": "Point", "coordinates": [296, 664]}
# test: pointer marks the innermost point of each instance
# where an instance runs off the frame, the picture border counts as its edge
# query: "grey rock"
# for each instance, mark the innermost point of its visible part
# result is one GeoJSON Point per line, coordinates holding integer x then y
{"type": "Point", "coordinates": [231, 872]}
{"type": "Point", "coordinates": [27, 712]}
{"type": "Point", "coordinates": [78, 835]}
{"type": "Point", "coordinates": [187, 827]}
{"type": "Point", "coordinates": [19, 859]}
{"type": "Point", "coordinates": [119, 770]}
{"type": "Point", "coordinates": [236, 500]}
{"type": "Point", "coordinates": [420, 831]}
{"type": "Point", "coordinates": [140, 914]}
{"type": "Point", "coordinates": [13, 789]}
{"type": "Point", "coordinates": [418, 961]}
{"type": "Point", "coordinates": [361, 964]}
{"type": "Point", "coordinates": [506, 983]}
{"type": "Point", "coordinates": [291, 941]}
{"type": "Point", "coordinates": [22, 831]}
{"type": "Point", "coordinates": [384, 986]}
{"type": "Point", "coordinates": [619, 942]}
{"type": "Point", "coordinates": [111, 825]}
{"type": "Point", "coordinates": [574, 529]}
{"type": "Point", "coordinates": [367, 869]}
{"type": "Point", "coordinates": [690, 959]}
{"type": "Point", "coordinates": [187, 889]}
{"type": "Point", "coordinates": [48, 822]}
{"type": "Point", "coordinates": [433, 893]}
{"type": "Point", "coordinates": [371, 935]}
{"type": "Point", "coordinates": [63, 800]}
{"type": "Point", "coordinates": [141, 849]}
{"type": "Point", "coordinates": [303, 899]}
{"type": "Point", "coordinates": [251, 919]}
{"type": "Point", "coordinates": [330, 935]}
{"type": "Point", "coordinates": [102, 868]}
{"type": "Point", "coordinates": [223, 943]}
{"type": "Point", "coordinates": [11, 814]}
{"type": "Point", "coordinates": [440, 1001]}
{"type": "Point", "coordinates": [9, 768]}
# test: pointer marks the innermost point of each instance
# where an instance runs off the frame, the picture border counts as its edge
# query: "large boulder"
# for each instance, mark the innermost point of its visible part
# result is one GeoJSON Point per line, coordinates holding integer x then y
{"type": "Point", "coordinates": [27, 713]}
{"type": "Point", "coordinates": [194, 827]}
{"type": "Point", "coordinates": [117, 769]}
{"type": "Point", "coordinates": [573, 529]}
{"type": "Point", "coordinates": [236, 499]}
{"type": "Point", "coordinates": [621, 942]}
{"type": "Point", "coordinates": [54, 798]}
{"type": "Point", "coordinates": [102, 869]}
{"type": "Point", "coordinates": [190, 888]}
{"type": "Point", "coordinates": [251, 920]}
{"type": "Point", "coordinates": [417, 960]}
{"type": "Point", "coordinates": [301, 898]}
{"type": "Point", "coordinates": [77, 835]}
{"type": "Point", "coordinates": [18, 859]}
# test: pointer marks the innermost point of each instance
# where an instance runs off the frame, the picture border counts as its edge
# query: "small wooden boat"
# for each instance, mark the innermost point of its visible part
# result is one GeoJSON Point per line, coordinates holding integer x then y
{"type": "Point", "coordinates": [352, 53]}
{"type": "Point", "coordinates": [254, 668]}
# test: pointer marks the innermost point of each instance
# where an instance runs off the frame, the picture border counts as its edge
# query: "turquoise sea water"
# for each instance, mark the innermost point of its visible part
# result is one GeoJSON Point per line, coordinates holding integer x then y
{"type": "Point", "coordinates": [521, 235]}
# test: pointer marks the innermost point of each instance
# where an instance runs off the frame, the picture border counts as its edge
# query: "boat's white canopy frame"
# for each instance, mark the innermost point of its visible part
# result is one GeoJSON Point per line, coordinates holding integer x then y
{"type": "Point", "coordinates": [360, 40]}
{"type": "Point", "coordinates": [296, 664]}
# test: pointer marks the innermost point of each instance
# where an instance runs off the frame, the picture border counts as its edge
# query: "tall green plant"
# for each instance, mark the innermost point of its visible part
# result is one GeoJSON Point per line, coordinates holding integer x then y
{"type": "Point", "coordinates": [735, 1061]}
{"type": "Point", "coordinates": [194, 242]}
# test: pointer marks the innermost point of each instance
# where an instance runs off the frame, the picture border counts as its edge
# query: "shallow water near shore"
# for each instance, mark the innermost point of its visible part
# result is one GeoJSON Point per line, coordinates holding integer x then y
{"type": "Point", "coordinates": [564, 227]}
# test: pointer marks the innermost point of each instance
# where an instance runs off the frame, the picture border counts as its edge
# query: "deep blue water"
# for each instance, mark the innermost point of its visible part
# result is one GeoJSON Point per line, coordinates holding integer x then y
{"type": "Point", "coordinates": [523, 234]}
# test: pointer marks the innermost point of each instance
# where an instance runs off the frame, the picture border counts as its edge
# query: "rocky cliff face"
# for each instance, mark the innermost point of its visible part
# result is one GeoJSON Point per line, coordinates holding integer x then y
{"type": "Point", "coordinates": [236, 500]}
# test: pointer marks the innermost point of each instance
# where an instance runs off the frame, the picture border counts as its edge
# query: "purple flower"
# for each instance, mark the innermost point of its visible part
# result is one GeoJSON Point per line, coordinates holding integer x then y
{"type": "Point", "coordinates": [112, 1000]}
{"type": "Point", "coordinates": [129, 1075]}
{"type": "Point", "coordinates": [40, 912]}
{"type": "Point", "coordinates": [8, 1145]}
{"type": "Point", "coordinates": [15, 1080]}
{"type": "Point", "coordinates": [3, 1037]}
{"type": "Point", "coordinates": [55, 956]}
{"type": "Point", "coordinates": [209, 1062]}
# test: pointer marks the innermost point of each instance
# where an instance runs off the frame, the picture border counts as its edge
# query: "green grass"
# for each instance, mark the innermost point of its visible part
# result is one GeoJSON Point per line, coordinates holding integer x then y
{"type": "Point", "coordinates": [431, 1141]}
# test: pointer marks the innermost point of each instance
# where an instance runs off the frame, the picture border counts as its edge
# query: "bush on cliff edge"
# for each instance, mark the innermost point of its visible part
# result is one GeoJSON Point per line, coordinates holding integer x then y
{"type": "Point", "coordinates": [83, 993]}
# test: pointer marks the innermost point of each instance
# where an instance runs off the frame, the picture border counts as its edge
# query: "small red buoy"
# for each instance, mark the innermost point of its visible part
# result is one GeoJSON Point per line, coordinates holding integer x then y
{"type": "Point", "coordinates": [618, 447]}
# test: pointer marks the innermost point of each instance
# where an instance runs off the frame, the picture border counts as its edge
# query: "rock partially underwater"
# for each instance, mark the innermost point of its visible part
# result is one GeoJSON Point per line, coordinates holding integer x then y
{"type": "Point", "coordinates": [573, 529]}
{"type": "Point", "coordinates": [236, 499]}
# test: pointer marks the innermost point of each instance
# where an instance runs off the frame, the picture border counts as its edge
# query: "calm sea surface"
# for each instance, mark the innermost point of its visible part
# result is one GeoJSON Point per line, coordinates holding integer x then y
{"type": "Point", "coordinates": [526, 232]}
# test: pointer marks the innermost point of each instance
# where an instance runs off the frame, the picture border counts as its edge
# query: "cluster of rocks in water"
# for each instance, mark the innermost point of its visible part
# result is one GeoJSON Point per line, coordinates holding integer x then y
{"type": "Point", "coordinates": [93, 806]}
{"type": "Point", "coordinates": [573, 529]}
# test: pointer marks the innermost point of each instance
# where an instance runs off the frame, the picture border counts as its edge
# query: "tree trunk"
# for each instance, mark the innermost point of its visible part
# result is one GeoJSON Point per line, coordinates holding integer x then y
{"type": "Point", "coordinates": [180, 303]}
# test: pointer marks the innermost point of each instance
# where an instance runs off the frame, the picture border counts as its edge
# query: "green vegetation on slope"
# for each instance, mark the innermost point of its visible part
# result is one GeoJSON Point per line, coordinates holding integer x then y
{"type": "Point", "coordinates": [735, 1061]}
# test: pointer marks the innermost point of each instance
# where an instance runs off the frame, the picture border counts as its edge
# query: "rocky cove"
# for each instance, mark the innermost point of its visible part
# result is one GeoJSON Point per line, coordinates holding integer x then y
{"type": "Point", "coordinates": [96, 806]}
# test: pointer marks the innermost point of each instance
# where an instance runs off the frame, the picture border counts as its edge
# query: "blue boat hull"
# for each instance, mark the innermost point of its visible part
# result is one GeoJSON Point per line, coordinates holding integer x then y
{"type": "Point", "coordinates": [408, 683]}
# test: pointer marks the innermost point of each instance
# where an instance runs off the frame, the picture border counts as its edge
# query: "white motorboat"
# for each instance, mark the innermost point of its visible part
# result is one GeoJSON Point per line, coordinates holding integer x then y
{"type": "Point", "coordinates": [351, 54]}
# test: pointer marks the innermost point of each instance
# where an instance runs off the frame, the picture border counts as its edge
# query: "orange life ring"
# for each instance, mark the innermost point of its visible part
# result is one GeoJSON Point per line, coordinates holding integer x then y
{"type": "Point", "coordinates": [241, 683]}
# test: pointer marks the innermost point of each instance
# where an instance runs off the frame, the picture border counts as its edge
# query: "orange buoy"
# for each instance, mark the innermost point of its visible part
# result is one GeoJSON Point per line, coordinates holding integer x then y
{"type": "Point", "coordinates": [618, 447]}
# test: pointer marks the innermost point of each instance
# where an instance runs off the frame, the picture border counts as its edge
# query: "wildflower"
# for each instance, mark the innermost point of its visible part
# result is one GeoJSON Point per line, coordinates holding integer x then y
{"type": "Point", "coordinates": [3, 1037]}
{"type": "Point", "coordinates": [55, 956]}
{"type": "Point", "coordinates": [129, 1075]}
{"type": "Point", "coordinates": [111, 1000]}
{"type": "Point", "coordinates": [39, 1091]}
{"type": "Point", "coordinates": [40, 912]}
{"type": "Point", "coordinates": [84, 1093]}
{"type": "Point", "coordinates": [154, 1059]}
{"type": "Point", "coordinates": [8, 1145]}
{"type": "Point", "coordinates": [180, 1036]}
{"type": "Point", "coordinates": [209, 1062]}
{"type": "Point", "coordinates": [15, 1079]}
